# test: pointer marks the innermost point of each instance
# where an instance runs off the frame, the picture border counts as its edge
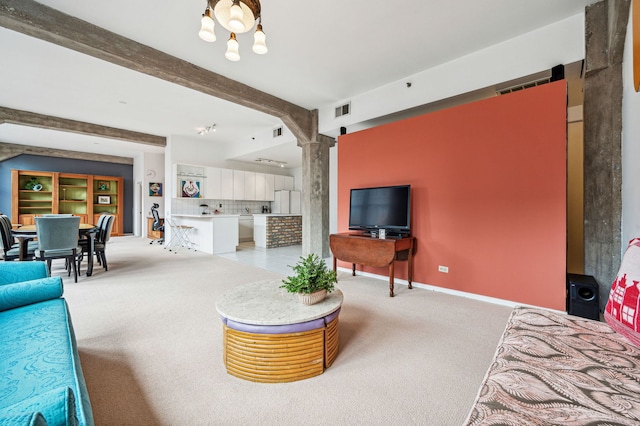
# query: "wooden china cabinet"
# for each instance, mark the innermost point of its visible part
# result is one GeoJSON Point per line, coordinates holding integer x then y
{"type": "Point", "coordinates": [34, 193]}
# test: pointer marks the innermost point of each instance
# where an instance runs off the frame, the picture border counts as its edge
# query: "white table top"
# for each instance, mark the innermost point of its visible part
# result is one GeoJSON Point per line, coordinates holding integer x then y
{"type": "Point", "coordinates": [264, 303]}
{"type": "Point", "coordinates": [205, 216]}
{"type": "Point", "coordinates": [276, 214]}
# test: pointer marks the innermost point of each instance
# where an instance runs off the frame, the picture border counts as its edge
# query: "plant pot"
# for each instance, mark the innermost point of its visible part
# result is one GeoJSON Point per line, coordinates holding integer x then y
{"type": "Point", "coordinates": [310, 299]}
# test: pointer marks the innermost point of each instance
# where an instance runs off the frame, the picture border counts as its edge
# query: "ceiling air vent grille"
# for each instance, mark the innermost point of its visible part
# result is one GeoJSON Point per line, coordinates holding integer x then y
{"type": "Point", "coordinates": [343, 110]}
{"type": "Point", "coordinates": [277, 132]}
{"type": "Point", "coordinates": [523, 86]}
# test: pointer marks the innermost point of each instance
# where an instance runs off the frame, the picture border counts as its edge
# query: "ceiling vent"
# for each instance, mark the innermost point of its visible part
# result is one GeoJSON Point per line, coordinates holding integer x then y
{"type": "Point", "coordinates": [343, 110]}
{"type": "Point", "coordinates": [523, 86]}
{"type": "Point", "coordinates": [277, 132]}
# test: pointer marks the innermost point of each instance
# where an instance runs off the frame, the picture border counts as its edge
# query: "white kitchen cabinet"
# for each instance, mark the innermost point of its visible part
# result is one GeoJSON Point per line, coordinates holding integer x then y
{"type": "Point", "coordinates": [284, 183]}
{"type": "Point", "coordinates": [260, 186]}
{"type": "Point", "coordinates": [250, 186]}
{"type": "Point", "coordinates": [238, 185]}
{"type": "Point", "coordinates": [281, 202]}
{"type": "Point", "coordinates": [289, 183]}
{"type": "Point", "coordinates": [278, 182]}
{"type": "Point", "coordinates": [226, 184]}
{"type": "Point", "coordinates": [269, 186]}
{"type": "Point", "coordinates": [212, 188]}
{"type": "Point", "coordinates": [211, 234]}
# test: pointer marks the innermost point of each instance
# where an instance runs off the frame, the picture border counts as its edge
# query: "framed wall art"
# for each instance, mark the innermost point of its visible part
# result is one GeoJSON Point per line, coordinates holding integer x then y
{"type": "Point", "coordinates": [190, 188]}
{"type": "Point", "coordinates": [155, 189]}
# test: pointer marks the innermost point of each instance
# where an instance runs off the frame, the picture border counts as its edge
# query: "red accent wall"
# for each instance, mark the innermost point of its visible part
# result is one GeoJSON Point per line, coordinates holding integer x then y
{"type": "Point", "coordinates": [488, 192]}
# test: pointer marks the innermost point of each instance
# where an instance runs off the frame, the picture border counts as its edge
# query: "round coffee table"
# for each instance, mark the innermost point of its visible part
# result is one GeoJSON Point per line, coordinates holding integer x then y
{"type": "Point", "coordinates": [270, 336]}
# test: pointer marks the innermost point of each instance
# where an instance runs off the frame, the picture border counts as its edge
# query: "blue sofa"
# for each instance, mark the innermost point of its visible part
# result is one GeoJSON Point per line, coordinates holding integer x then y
{"type": "Point", "coordinates": [41, 380]}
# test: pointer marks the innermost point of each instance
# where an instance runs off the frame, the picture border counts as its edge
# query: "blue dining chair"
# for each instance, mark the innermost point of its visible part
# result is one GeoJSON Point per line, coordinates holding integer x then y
{"type": "Point", "coordinates": [10, 247]}
{"type": "Point", "coordinates": [105, 224]}
{"type": "Point", "coordinates": [58, 239]}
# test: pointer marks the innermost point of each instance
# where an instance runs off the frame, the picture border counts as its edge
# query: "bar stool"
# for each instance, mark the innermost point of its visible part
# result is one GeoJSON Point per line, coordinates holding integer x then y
{"type": "Point", "coordinates": [179, 236]}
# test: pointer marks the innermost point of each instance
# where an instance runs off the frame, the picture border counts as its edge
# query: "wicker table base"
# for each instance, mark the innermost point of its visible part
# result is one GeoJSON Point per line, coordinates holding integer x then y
{"type": "Point", "coordinates": [271, 337]}
{"type": "Point", "coordinates": [278, 358]}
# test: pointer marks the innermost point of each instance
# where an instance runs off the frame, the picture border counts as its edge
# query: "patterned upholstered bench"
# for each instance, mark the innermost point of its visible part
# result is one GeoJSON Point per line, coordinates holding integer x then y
{"type": "Point", "coordinates": [556, 369]}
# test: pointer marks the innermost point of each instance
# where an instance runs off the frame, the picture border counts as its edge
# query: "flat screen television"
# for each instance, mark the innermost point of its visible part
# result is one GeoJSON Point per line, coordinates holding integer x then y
{"type": "Point", "coordinates": [385, 207]}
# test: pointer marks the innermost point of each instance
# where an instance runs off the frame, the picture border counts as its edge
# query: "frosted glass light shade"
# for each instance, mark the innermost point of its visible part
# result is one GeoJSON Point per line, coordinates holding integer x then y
{"type": "Point", "coordinates": [222, 12]}
{"type": "Point", "coordinates": [235, 18]}
{"type": "Point", "coordinates": [232, 53]}
{"type": "Point", "coordinates": [207, 29]}
{"type": "Point", "coordinates": [260, 41]}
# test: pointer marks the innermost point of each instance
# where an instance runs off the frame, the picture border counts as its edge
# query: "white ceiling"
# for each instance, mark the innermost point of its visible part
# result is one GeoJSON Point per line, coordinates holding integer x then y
{"type": "Point", "coordinates": [320, 53]}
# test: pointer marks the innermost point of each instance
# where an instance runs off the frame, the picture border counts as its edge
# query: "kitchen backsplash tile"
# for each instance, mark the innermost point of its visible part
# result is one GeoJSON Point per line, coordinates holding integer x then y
{"type": "Point", "coordinates": [192, 206]}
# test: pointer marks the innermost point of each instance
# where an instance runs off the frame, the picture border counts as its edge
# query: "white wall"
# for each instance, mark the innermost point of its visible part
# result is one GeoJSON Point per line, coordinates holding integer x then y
{"type": "Point", "coordinates": [138, 172]}
{"type": "Point", "coordinates": [534, 52]}
{"type": "Point", "coordinates": [189, 150]}
{"type": "Point", "coordinates": [630, 147]}
{"type": "Point", "coordinates": [333, 189]}
{"type": "Point", "coordinates": [152, 163]}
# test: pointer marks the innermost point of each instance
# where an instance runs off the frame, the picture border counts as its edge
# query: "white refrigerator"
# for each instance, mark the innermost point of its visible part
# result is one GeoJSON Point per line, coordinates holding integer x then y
{"type": "Point", "coordinates": [294, 203]}
{"type": "Point", "coordinates": [280, 204]}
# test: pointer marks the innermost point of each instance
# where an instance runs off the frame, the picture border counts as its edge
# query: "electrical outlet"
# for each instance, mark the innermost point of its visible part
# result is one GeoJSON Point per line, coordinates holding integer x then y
{"type": "Point", "coordinates": [444, 269]}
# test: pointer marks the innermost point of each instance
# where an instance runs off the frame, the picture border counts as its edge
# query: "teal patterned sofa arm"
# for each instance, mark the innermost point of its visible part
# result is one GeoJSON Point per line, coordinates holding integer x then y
{"type": "Point", "coordinates": [55, 407]}
{"type": "Point", "coordinates": [28, 419]}
{"type": "Point", "coordinates": [28, 292]}
{"type": "Point", "coordinates": [41, 377]}
{"type": "Point", "coordinates": [14, 272]}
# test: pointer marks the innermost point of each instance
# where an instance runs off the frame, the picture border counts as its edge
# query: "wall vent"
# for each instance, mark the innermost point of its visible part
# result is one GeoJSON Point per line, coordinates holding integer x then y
{"type": "Point", "coordinates": [523, 86]}
{"type": "Point", "coordinates": [343, 110]}
{"type": "Point", "coordinates": [277, 132]}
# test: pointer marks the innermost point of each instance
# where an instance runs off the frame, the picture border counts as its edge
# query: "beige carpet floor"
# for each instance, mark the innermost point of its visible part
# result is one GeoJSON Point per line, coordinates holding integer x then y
{"type": "Point", "coordinates": [150, 346]}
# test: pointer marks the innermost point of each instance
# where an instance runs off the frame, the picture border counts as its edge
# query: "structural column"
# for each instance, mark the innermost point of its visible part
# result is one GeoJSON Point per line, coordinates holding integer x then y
{"type": "Point", "coordinates": [605, 31]}
{"type": "Point", "coordinates": [315, 195]}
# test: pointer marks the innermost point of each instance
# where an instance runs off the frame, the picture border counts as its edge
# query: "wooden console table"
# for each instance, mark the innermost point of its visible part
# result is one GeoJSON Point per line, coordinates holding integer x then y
{"type": "Point", "coordinates": [363, 250]}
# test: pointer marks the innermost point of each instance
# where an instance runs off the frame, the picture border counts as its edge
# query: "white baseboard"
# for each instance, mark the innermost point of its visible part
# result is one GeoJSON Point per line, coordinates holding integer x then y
{"type": "Point", "coordinates": [459, 293]}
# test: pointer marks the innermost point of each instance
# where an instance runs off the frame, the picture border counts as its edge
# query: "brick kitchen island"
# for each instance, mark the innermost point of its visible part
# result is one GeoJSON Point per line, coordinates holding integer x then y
{"type": "Point", "coordinates": [277, 230]}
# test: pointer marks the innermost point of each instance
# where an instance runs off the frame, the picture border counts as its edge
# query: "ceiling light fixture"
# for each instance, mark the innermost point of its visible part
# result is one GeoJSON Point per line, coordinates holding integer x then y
{"type": "Point", "coordinates": [207, 129]}
{"type": "Point", "coordinates": [237, 17]}
{"type": "Point", "coordinates": [271, 162]}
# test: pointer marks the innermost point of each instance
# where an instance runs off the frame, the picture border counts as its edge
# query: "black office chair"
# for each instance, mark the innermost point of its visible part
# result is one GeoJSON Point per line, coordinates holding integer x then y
{"type": "Point", "coordinates": [157, 224]}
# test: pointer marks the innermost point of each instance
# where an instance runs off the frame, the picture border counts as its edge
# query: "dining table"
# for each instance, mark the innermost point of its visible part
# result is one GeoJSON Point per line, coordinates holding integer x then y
{"type": "Point", "coordinates": [26, 233]}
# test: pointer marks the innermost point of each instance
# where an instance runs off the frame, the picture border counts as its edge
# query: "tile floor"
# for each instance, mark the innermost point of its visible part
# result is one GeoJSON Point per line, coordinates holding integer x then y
{"type": "Point", "coordinates": [274, 259]}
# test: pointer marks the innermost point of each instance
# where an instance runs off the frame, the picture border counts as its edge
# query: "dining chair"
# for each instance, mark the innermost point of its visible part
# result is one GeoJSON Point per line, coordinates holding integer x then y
{"type": "Point", "coordinates": [10, 247]}
{"type": "Point", "coordinates": [105, 224]}
{"type": "Point", "coordinates": [58, 239]}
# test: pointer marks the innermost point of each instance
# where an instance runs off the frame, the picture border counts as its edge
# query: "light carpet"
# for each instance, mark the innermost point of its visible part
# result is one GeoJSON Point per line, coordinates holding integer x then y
{"type": "Point", "coordinates": [150, 345]}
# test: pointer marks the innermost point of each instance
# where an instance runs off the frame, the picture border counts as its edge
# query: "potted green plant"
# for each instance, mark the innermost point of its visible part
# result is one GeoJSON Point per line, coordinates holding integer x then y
{"type": "Point", "coordinates": [312, 279]}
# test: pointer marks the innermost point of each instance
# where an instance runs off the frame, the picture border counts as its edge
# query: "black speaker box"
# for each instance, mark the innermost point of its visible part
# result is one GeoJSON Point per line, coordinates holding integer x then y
{"type": "Point", "coordinates": [583, 296]}
{"type": "Point", "coordinates": [557, 73]}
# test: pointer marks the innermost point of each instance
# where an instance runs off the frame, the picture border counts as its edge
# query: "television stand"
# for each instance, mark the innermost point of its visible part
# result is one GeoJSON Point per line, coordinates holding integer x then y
{"type": "Point", "coordinates": [367, 251]}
